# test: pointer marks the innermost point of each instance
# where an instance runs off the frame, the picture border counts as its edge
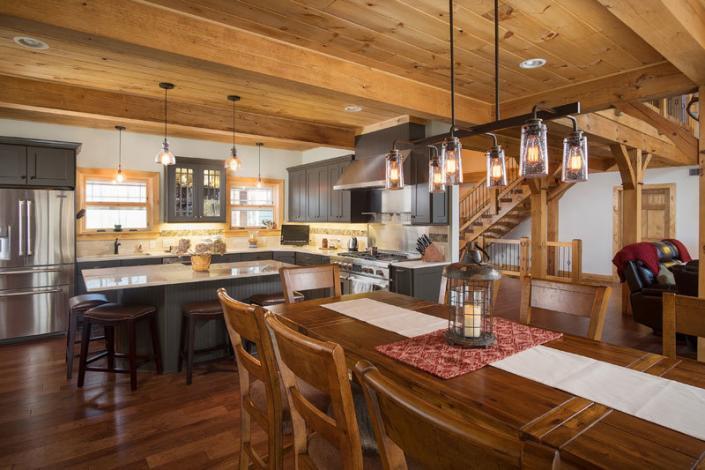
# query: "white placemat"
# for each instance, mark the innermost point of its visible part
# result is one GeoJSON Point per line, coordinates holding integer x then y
{"type": "Point", "coordinates": [665, 402]}
{"type": "Point", "coordinates": [389, 317]}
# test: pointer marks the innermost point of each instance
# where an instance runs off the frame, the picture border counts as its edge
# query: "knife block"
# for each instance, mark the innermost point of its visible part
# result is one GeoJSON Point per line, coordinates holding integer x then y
{"type": "Point", "coordinates": [432, 254]}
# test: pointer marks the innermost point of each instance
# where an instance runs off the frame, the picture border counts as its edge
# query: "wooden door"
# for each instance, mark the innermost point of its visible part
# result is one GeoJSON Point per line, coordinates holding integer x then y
{"type": "Point", "coordinates": [658, 214]}
{"type": "Point", "coordinates": [51, 167]}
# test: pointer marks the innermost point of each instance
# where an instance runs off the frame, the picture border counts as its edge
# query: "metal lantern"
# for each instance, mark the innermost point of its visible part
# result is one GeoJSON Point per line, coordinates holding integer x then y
{"type": "Point", "coordinates": [469, 292]}
{"type": "Point", "coordinates": [533, 153]}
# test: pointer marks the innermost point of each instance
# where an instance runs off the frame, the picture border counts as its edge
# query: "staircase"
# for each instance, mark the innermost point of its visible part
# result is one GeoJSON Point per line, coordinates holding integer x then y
{"type": "Point", "coordinates": [492, 213]}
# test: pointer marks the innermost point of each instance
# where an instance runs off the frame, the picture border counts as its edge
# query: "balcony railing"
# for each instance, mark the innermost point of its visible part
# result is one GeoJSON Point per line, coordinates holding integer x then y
{"type": "Point", "coordinates": [674, 108]}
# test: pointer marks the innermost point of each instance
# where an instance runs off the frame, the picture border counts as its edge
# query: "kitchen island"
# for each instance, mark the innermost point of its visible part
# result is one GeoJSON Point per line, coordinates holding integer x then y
{"type": "Point", "coordinates": [169, 286]}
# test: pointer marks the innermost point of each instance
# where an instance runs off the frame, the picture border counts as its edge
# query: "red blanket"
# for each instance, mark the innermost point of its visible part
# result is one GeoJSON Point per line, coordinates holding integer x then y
{"type": "Point", "coordinates": [683, 254]}
{"type": "Point", "coordinates": [644, 251]}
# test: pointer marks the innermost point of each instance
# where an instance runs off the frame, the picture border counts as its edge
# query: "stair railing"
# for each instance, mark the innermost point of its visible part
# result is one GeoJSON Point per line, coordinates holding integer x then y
{"type": "Point", "coordinates": [481, 198]}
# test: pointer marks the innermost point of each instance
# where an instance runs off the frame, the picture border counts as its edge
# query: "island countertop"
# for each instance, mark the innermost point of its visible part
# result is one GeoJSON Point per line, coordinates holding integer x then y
{"type": "Point", "coordinates": [131, 277]}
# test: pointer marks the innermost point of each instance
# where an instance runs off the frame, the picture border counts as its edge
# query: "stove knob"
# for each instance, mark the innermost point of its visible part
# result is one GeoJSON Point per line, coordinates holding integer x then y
{"type": "Point", "coordinates": [380, 272]}
{"type": "Point", "coordinates": [368, 270]}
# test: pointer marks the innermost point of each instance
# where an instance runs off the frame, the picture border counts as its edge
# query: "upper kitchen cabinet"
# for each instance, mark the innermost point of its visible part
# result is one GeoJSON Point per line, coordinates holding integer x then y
{"type": "Point", "coordinates": [29, 162]}
{"type": "Point", "coordinates": [426, 208]}
{"type": "Point", "coordinates": [195, 191]}
{"type": "Point", "coordinates": [313, 199]}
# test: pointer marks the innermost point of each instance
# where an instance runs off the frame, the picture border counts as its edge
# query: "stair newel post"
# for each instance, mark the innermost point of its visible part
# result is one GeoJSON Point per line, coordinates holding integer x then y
{"type": "Point", "coordinates": [524, 257]}
{"type": "Point", "coordinates": [576, 263]}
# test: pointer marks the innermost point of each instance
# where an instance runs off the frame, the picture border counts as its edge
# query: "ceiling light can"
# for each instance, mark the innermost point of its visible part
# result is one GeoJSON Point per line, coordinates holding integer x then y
{"type": "Point", "coordinates": [30, 43]}
{"type": "Point", "coordinates": [353, 108]}
{"type": "Point", "coordinates": [534, 63]}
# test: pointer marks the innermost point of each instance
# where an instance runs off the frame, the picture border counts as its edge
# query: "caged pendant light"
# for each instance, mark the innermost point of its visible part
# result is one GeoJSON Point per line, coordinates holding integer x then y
{"type": "Point", "coordinates": [259, 164]}
{"type": "Point", "coordinates": [575, 156]}
{"type": "Point", "coordinates": [452, 148]}
{"type": "Point", "coordinates": [233, 163]}
{"type": "Point", "coordinates": [496, 164]}
{"type": "Point", "coordinates": [533, 150]}
{"type": "Point", "coordinates": [119, 176]}
{"type": "Point", "coordinates": [436, 171]}
{"type": "Point", "coordinates": [394, 169]}
{"type": "Point", "coordinates": [165, 156]}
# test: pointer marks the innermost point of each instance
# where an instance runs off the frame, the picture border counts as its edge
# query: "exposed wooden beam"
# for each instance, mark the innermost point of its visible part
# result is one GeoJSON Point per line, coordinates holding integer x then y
{"type": "Point", "coordinates": [681, 137]}
{"type": "Point", "coordinates": [54, 98]}
{"type": "Point", "coordinates": [172, 31]}
{"type": "Point", "coordinates": [624, 163]}
{"type": "Point", "coordinates": [675, 28]}
{"type": "Point", "coordinates": [701, 215]}
{"type": "Point", "coordinates": [539, 226]}
{"type": "Point", "coordinates": [652, 81]}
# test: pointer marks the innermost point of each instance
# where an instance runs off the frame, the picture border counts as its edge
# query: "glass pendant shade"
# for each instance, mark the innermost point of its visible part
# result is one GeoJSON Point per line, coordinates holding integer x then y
{"type": "Point", "coordinates": [436, 175]}
{"type": "Point", "coordinates": [533, 153]}
{"type": "Point", "coordinates": [119, 176]}
{"type": "Point", "coordinates": [575, 158]}
{"type": "Point", "coordinates": [233, 163]}
{"type": "Point", "coordinates": [165, 156]}
{"type": "Point", "coordinates": [496, 168]}
{"type": "Point", "coordinates": [394, 164]}
{"type": "Point", "coordinates": [259, 182]}
{"type": "Point", "coordinates": [452, 158]}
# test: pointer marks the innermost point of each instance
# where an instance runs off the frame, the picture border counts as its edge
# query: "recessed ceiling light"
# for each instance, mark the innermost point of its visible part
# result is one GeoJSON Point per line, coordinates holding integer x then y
{"type": "Point", "coordinates": [30, 43]}
{"type": "Point", "coordinates": [353, 108]}
{"type": "Point", "coordinates": [533, 63]}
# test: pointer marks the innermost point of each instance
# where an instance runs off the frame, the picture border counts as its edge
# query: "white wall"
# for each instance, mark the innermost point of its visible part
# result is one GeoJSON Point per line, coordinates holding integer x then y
{"type": "Point", "coordinates": [585, 212]}
{"type": "Point", "coordinates": [323, 153]}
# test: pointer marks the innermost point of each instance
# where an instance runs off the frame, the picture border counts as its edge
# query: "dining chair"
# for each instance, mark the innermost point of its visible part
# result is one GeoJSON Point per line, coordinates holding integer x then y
{"type": "Point", "coordinates": [413, 433]}
{"type": "Point", "coordinates": [584, 300]}
{"type": "Point", "coordinates": [261, 400]}
{"type": "Point", "coordinates": [305, 278]}
{"type": "Point", "coordinates": [321, 440]}
{"type": "Point", "coordinates": [686, 315]}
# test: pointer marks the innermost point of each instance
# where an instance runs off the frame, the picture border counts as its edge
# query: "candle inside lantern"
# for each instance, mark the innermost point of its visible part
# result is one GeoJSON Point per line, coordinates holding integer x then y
{"type": "Point", "coordinates": [473, 315]}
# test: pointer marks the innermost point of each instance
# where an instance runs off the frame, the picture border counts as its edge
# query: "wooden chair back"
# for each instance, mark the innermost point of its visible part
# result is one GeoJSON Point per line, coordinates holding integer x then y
{"type": "Point", "coordinates": [584, 300]}
{"type": "Point", "coordinates": [321, 365]}
{"type": "Point", "coordinates": [686, 315]}
{"type": "Point", "coordinates": [246, 322]}
{"type": "Point", "coordinates": [303, 278]}
{"type": "Point", "coordinates": [405, 425]}
{"type": "Point", "coordinates": [443, 294]}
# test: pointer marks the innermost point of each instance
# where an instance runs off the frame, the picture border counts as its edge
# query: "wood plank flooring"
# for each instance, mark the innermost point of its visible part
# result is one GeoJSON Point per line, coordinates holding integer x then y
{"type": "Point", "coordinates": [48, 422]}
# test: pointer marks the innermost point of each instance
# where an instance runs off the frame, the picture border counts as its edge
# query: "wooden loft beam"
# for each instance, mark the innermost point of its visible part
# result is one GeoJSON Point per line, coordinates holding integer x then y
{"type": "Point", "coordinates": [653, 81]}
{"type": "Point", "coordinates": [675, 28]}
{"type": "Point", "coordinates": [54, 98]}
{"type": "Point", "coordinates": [170, 31]}
{"type": "Point", "coordinates": [682, 138]}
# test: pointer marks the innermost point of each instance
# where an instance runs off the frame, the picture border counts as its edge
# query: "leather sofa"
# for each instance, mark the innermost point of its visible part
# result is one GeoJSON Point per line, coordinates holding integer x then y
{"type": "Point", "coordinates": [686, 278]}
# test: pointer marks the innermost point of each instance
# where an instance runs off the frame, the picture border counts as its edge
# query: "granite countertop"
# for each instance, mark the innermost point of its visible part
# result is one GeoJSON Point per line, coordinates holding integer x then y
{"type": "Point", "coordinates": [130, 277]}
{"type": "Point", "coordinates": [419, 264]}
{"type": "Point", "coordinates": [164, 254]}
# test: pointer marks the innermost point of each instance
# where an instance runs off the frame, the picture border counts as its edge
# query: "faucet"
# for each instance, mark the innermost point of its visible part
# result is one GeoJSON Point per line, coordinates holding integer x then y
{"type": "Point", "coordinates": [116, 247]}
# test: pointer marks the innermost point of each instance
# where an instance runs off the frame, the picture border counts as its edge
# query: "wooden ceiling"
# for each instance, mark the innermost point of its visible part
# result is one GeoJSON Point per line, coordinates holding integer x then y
{"type": "Point", "coordinates": [298, 63]}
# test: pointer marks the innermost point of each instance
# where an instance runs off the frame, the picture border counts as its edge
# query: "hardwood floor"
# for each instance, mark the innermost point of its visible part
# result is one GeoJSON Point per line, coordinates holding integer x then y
{"type": "Point", "coordinates": [46, 421]}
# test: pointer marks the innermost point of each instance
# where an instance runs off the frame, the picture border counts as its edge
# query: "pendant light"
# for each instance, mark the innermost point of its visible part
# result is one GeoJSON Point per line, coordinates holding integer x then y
{"type": "Point", "coordinates": [575, 155]}
{"type": "Point", "coordinates": [496, 164]}
{"type": "Point", "coordinates": [436, 171]}
{"type": "Point", "coordinates": [394, 169]}
{"type": "Point", "coordinates": [452, 148]}
{"type": "Point", "coordinates": [259, 164]}
{"type": "Point", "coordinates": [533, 151]}
{"type": "Point", "coordinates": [165, 156]}
{"type": "Point", "coordinates": [233, 163]}
{"type": "Point", "coordinates": [119, 177]}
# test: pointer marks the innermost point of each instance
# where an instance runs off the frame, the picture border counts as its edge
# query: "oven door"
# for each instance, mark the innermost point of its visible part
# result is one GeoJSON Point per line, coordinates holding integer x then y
{"type": "Point", "coordinates": [356, 283]}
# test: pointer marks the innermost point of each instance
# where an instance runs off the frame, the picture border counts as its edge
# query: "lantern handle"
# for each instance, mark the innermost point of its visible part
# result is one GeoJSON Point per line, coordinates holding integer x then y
{"type": "Point", "coordinates": [482, 250]}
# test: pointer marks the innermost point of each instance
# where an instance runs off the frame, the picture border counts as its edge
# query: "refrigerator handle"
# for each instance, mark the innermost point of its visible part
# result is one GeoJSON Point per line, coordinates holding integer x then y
{"type": "Point", "coordinates": [29, 228]}
{"type": "Point", "coordinates": [20, 207]}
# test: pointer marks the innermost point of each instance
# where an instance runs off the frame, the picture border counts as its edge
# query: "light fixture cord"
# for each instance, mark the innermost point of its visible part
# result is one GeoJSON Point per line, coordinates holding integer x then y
{"type": "Point", "coordinates": [452, 69]}
{"type": "Point", "coordinates": [259, 161]}
{"type": "Point", "coordinates": [496, 60]}
{"type": "Point", "coordinates": [165, 112]}
{"type": "Point", "coordinates": [233, 123]}
{"type": "Point", "coordinates": [120, 148]}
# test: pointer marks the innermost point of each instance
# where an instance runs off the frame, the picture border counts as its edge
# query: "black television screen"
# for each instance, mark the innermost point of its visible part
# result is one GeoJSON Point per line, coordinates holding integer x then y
{"type": "Point", "coordinates": [294, 234]}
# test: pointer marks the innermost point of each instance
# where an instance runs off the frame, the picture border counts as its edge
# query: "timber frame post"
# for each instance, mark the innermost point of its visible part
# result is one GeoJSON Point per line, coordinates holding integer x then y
{"type": "Point", "coordinates": [701, 212]}
{"type": "Point", "coordinates": [539, 227]}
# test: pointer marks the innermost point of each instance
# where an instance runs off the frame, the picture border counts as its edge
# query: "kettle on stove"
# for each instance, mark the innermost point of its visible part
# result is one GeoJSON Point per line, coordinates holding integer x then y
{"type": "Point", "coordinates": [352, 244]}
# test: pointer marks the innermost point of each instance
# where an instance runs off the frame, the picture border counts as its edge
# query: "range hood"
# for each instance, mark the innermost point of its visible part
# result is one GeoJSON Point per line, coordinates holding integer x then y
{"type": "Point", "coordinates": [367, 170]}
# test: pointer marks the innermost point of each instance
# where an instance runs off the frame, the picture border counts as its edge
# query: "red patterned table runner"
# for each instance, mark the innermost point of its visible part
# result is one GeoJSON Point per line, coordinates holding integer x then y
{"type": "Point", "coordinates": [432, 354]}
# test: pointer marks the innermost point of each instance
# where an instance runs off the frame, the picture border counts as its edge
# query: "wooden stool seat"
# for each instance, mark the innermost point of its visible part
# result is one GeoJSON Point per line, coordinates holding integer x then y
{"type": "Point", "coordinates": [112, 312]}
{"type": "Point", "coordinates": [77, 307]}
{"type": "Point", "coordinates": [110, 316]}
{"type": "Point", "coordinates": [193, 313]}
{"type": "Point", "coordinates": [265, 300]}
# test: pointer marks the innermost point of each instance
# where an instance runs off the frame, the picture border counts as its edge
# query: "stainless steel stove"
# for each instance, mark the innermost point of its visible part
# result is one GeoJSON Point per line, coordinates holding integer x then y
{"type": "Point", "coordinates": [361, 271]}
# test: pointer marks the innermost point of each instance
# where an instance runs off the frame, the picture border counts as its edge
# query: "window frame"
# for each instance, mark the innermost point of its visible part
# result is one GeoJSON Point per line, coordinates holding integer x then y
{"type": "Point", "coordinates": [277, 200]}
{"type": "Point", "coordinates": [151, 178]}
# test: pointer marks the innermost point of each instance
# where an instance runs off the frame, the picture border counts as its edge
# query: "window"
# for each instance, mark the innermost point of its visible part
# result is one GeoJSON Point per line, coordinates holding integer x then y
{"type": "Point", "coordinates": [251, 207]}
{"type": "Point", "coordinates": [107, 203]}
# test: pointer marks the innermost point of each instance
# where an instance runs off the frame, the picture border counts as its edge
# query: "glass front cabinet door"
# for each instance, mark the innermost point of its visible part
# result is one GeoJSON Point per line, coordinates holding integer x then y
{"type": "Point", "coordinates": [195, 191]}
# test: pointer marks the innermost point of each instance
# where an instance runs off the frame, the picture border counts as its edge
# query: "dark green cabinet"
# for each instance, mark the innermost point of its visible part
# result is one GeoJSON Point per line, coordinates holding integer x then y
{"type": "Point", "coordinates": [195, 191]}
{"type": "Point", "coordinates": [29, 162]}
{"type": "Point", "coordinates": [256, 256]}
{"type": "Point", "coordinates": [426, 208]}
{"type": "Point", "coordinates": [284, 256]}
{"type": "Point", "coordinates": [422, 283]}
{"type": "Point", "coordinates": [310, 259]}
{"type": "Point", "coordinates": [318, 192]}
{"type": "Point", "coordinates": [297, 195]}
{"type": "Point", "coordinates": [339, 205]}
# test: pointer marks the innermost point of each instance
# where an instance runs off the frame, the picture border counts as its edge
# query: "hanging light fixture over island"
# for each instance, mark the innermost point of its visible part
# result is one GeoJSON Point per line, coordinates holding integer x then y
{"type": "Point", "coordinates": [233, 163]}
{"type": "Point", "coordinates": [165, 156]}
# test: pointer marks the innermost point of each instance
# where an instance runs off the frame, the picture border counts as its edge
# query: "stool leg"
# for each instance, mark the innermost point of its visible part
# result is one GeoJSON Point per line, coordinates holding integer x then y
{"type": "Point", "coordinates": [182, 342]}
{"type": "Point", "coordinates": [156, 346]}
{"type": "Point", "coordinates": [110, 345]}
{"type": "Point", "coordinates": [70, 340]}
{"type": "Point", "coordinates": [85, 339]}
{"type": "Point", "coordinates": [191, 347]}
{"type": "Point", "coordinates": [132, 353]}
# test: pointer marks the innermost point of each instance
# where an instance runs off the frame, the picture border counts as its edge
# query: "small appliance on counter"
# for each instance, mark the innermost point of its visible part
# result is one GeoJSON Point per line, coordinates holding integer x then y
{"type": "Point", "coordinates": [294, 235]}
{"type": "Point", "coordinates": [352, 244]}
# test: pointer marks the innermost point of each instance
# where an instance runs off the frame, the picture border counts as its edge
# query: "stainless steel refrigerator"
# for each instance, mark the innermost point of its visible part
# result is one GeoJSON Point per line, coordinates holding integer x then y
{"type": "Point", "coordinates": [36, 261]}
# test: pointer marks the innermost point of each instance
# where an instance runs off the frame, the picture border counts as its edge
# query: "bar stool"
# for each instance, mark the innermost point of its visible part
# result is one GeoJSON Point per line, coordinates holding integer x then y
{"type": "Point", "coordinates": [192, 314]}
{"type": "Point", "coordinates": [77, 307]}
{"type": "Point", "coordinates": [113, 315]}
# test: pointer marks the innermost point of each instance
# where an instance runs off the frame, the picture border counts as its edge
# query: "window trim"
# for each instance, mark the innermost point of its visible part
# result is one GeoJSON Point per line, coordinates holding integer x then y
{"type": "Point", "coordinates": [277, 199]}
{"type": "Point", "coordinates": [108, 174]}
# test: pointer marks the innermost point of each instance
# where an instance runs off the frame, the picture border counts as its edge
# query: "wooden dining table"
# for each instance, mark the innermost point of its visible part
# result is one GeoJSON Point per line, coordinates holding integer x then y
{"type": "Point", "coordinates": [587, 434]}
